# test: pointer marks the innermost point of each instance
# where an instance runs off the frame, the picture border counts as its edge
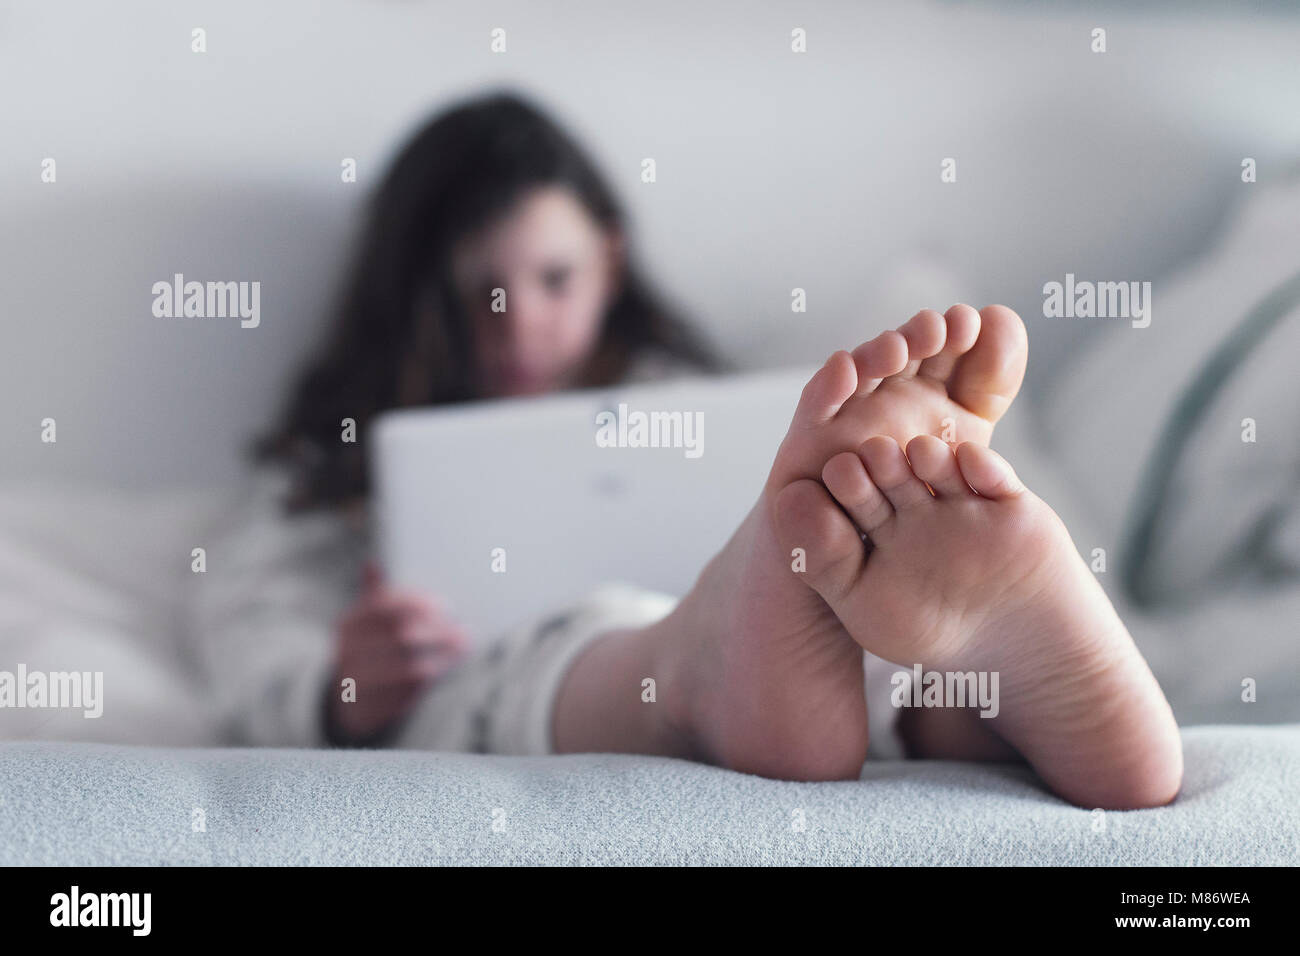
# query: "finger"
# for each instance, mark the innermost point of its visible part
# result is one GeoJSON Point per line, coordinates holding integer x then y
{"type": "Point", "coordinates": [372, 578]}
{"type": "Point", "coordinates": [431, 666]}
{"type": "Point", "coordinates": [393, 609]}
{"type": "Point", "coordinates": [389, 659]}
{"type": "Point", "coordinates": [424, 634]}
{"type": "Point", "coordinates": [417, 669]}
{"type": "Point", "coordinates": [418, 604]}
{"type": "Point", "coordinates": [374, 677]}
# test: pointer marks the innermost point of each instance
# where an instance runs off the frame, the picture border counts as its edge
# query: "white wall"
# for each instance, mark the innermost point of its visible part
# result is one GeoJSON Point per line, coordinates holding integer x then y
{"type": "Point", "coordinates": [775, 170]}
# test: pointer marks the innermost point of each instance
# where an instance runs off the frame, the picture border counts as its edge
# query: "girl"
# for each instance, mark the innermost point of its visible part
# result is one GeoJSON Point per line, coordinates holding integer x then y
{"type": "Point", "coordinates": [491, 195]}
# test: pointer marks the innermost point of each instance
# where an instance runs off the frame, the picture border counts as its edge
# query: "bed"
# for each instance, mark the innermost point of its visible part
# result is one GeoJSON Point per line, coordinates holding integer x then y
{"type": "Point", "coordinates": [133, 806]}
{"type": "Point", "coordinates": [93, 578]}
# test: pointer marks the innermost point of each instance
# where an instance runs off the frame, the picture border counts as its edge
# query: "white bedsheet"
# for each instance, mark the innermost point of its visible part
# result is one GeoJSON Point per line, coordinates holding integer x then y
{"type": "Point", "coordinates": [93, 580]}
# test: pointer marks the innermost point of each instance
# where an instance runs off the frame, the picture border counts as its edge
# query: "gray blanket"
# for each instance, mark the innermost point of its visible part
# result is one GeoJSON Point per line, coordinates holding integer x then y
{"type": "Point", "coordinates": [98, 804]}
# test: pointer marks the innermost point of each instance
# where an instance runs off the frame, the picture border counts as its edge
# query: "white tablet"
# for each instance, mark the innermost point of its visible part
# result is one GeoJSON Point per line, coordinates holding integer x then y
{"type": "Point", "coordinates": [511, 510]}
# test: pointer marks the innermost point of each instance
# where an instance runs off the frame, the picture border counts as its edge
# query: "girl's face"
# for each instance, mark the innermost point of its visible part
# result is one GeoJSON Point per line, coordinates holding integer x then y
{"type": "Point", "coordinates": [559, 271]}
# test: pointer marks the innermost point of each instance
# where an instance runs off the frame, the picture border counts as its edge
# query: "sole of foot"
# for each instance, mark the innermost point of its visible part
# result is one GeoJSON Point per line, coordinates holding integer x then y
{"type": "Point", "coordinates": [969, 571]}
{"type": "Point", "coordinates": [763, 676]}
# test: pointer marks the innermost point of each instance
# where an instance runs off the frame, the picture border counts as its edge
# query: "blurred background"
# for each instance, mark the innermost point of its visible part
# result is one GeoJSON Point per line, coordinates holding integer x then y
{"type": "Point", "coordinates": [775, 171]}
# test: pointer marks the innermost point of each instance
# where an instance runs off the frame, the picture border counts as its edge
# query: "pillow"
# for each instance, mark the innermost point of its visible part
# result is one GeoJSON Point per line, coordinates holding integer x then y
{"type": "Point", "coordinates": [1110, 417]}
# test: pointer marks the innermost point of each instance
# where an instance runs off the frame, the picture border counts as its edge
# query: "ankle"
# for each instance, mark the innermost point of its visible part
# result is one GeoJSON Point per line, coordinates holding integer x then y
{"type": "Point", "coordinates": [677, 701]}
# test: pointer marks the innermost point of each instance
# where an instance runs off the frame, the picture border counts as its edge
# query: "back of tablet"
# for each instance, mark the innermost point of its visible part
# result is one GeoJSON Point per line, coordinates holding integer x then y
{"type": "Point", "coordinates": [510, 510]}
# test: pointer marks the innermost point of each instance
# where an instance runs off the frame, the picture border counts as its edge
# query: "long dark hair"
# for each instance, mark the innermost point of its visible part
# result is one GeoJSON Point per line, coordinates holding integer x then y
{"type": "Point", "coordinates": [399, 304]}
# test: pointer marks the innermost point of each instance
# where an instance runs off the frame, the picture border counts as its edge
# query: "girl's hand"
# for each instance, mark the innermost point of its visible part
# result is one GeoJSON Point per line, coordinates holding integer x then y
{"type": "Point", "coordinates": [393, 644]}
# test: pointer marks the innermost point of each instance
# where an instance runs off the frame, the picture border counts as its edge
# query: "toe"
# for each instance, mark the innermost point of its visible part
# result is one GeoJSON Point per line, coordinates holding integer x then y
{"type": "Point", "coordinates": [847, 480]}
{"type": "Point", "coordinates": [925, 333]}
{"type": "Point", "coordinates": [890, 472]}
{"type": "Point", "coordinates": [831, 386]}
{"type": "Point", "coordinates": [963, 330]}
{"type": "Point", "coordinates": [987, 377]}
{"type": "Point", "coordinates": [883, 356]}
{"type": "Point", "coordinates": [987, 472]}
{"type": "Point", "coordinates": [819, 539]}
{"type": "Point", "coordinates": [934, 463]}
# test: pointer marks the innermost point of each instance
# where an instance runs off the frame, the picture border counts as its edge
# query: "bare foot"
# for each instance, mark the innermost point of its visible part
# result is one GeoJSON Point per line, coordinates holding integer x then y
{"type": "Point", "coordinates": [762, 676]}
{"type": "Point", "coordinates": [981, 575]}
